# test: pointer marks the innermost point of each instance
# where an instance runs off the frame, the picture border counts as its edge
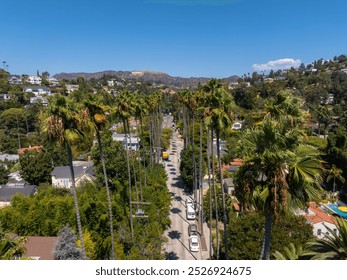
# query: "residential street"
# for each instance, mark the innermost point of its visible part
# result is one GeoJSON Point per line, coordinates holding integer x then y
{"type": "Point", "coordinates": [177, 246]}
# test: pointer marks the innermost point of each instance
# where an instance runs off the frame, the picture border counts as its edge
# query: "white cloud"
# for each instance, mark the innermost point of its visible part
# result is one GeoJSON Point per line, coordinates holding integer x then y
{"type": "Point", "coordinates": [283, 63]}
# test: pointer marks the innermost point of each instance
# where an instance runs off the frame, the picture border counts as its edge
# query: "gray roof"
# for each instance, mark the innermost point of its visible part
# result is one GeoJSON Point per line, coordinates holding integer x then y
{"type": "Point", "coordinates": [64, 171]}
{"type": "Point", "coordinates": [6, 192]}
{"type": "Point", "coordinates": [228, 182]}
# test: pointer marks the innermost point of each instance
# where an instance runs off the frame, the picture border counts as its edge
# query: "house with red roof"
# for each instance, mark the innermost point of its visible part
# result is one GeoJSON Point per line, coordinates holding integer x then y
{"type": "Point", "coordinates": [320, 219]}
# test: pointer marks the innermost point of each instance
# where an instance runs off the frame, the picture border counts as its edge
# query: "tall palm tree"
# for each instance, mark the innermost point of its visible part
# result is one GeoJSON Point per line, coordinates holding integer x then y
{"type": "Point", "coordinates": [218, 115]}
{"type": "Point", "coordinates": [280, 171]}
{"type": "Point", "coordinates": [123, 110]}
{"type": "Point", "coordinates": [96, 112]}
{"type": "Point", "coordinates": [332, 247]}
{"type": "Point", "coordinates": [335, 174]}
{"type": "Point", "coordinates": [64, 125]}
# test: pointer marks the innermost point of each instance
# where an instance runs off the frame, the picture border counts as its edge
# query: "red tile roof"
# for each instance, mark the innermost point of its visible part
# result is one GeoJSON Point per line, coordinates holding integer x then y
{"type": "Point", "coordinates": [23, 150]}
{"type": "Point", "coordinates": [319, 215]}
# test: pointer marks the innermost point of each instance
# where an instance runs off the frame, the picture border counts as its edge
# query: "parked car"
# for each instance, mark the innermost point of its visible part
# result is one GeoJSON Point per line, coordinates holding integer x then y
{"type": "Point", "coordinates": [189, 201]}
{"type": "Point", "coordinates": [192, 229]}
{"type": "Point", "coordinates": [194, 243]}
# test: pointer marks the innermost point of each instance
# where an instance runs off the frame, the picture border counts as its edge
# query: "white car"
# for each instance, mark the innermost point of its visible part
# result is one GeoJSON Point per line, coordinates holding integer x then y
{"type": "Point", "coordinates": [194, 243]}
{"type": "Point", "coordinates": [189, 201]}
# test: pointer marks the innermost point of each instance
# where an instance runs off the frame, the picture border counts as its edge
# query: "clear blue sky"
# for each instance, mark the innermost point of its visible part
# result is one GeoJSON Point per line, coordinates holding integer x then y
{"type": "Point", "coordinates": [209, 38]}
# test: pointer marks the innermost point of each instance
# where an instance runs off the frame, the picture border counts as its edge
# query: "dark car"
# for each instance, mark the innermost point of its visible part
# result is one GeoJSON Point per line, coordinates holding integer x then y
{"type": "Point", "coordinates": [192, 229]}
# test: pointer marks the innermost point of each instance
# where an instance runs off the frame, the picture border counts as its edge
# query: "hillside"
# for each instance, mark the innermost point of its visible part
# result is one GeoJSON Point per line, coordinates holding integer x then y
{"type": "Point", "coordinates": [146, 76]}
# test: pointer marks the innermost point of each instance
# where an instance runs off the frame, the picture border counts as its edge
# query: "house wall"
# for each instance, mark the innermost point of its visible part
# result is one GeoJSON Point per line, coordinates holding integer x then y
{"type": "Point", "coordinates": [320, 227]}
{"type": "Point", "coordinates": [61, 182]}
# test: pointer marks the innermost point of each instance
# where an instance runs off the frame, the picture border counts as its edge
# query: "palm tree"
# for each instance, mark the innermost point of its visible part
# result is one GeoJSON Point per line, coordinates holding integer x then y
{"type": "Point", "coordinates": [122, 110]}
{"type": "Point", "coordinates": [63, 124]}
{"type": "Point", "coordinates": [335, 174]}
{"type": "Point", "coordinates": [11, 247]}
{"type": "Point", "coordinates": [332, 247]}
{"type": "Point", "coordinates": [97, 117]}
{"type": "Point", "coordinates": [280, 171]}
{"type": "Point", "coordinates": [290, 253]}
{"type": "Point", "coordinates": [218, 118]}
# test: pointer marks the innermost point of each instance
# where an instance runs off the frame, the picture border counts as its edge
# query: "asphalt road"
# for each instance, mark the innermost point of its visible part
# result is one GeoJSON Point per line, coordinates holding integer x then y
{"type": "Point", "coordinates": [177, 247]}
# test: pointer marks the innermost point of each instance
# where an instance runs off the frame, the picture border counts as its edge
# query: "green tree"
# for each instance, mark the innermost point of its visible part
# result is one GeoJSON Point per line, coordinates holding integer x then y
{"type": "Point", "coordinates": [63, 125]}
{"type": "Point", "coordinates": [246, 234]}
{"type": "Point", "coordinates": [335, 174]}
{"type": "Point", "coordinates": [36, 167]}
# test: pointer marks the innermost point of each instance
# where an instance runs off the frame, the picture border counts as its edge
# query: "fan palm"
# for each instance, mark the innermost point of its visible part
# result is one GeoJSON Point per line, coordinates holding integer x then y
{"type": "Point", "coordinates": [64, 124]}
{"type": "Point", "coordinates": [280, 171]}
{"type": "Point", "coordinates": [96, 112]}
{"type": "Point", "coordinates": [218, 117]}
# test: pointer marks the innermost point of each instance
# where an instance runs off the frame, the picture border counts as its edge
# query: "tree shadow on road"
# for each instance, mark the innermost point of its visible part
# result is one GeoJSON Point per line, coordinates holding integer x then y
{"type": "Point", "coordinates": [175, 210]}
{"type": "Point", "coordinates": [171, 256]}
{"type": "Point", "coordinates": [174, 234]}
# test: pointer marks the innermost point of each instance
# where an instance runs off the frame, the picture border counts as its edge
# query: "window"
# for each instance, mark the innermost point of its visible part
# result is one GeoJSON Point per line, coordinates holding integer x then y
{"type": "Point", "coordinates": [319, 231]}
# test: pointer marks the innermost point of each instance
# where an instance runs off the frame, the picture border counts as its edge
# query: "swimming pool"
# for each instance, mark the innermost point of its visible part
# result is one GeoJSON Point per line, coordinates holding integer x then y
{"type": "Point", "coordinates": [334, 208]}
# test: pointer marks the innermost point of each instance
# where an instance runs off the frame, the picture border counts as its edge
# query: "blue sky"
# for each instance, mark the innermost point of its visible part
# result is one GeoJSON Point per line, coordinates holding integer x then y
{"type": "Point", "coordinates": [205, 38]}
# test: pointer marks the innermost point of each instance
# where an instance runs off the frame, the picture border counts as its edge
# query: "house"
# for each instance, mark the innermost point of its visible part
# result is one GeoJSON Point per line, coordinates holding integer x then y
{"type": "Point", "coordinates": [61, 176]}
{"type": "Point", "coordinates": [4, 97]}
{"type": "Point", "coordinates": [318, 218]}
{"type": "Point", "coordinates": [53, 81]}
{"type": "Point", "coordinates": [40, 247]}
{"type": "Point", "coordinates": [133, 141]}
{"type": "Point", "coordinates": [236, 126]}
{"type": "Point", "coordinates": [15, 79]}
{"type": "Point", "coordinates": [233, 165]}
{"type": "Point", "coordinates": [37, 90]}
{"type": "Point", "coordinates": [34, 80]}
{"type": "Point", "coordinates": [39, 100]}
{"type": "Point", "coordinates": [71, 88]}
{"type": "Point", "coordinates": [228, 185]}
{"type": "Point", "coordinates": [9, 190]}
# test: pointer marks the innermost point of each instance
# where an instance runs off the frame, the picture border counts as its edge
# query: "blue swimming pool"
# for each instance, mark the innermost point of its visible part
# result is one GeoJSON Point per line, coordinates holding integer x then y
{"type": "Point", "coordinates": [334, 208]}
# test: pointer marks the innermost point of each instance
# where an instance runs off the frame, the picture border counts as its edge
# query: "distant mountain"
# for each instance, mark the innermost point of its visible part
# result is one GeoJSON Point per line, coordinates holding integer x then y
{"type": "Point", "coordinates": [146, 76]}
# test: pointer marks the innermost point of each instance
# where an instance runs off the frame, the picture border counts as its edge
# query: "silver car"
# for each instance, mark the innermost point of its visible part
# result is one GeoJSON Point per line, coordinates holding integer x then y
{"type": "Point", "coordinates": [194, 243]}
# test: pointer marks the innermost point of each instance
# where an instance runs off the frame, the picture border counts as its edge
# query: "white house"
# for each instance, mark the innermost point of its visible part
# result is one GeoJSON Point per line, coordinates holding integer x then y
{"type": "Point", "coordinates": [15, 79]}
{"type": "Point", "coordinates": [133, 141]}
{"type": "Point", "coordinates": [53, 81]}
{"type": "Point", "coordinates": [37, 90]}
{"type": "Point", "coordinates": [61, 176]}
{"type": "Point", "coordinates": [39, 99]}
{"type": "Point", "coordinates": [34, 80]}
{"type": "Point", "coordinates": [236, 126]}
{"type": "Point", "coordinates": [318, 218]}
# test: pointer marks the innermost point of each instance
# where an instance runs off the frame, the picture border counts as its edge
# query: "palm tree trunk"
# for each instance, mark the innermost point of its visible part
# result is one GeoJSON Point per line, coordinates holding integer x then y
{"type": "Point", "coordinates": [209, 186]}
{"type": "Point", "coordinates": [267, 236]}
{"type": "Point", "coordinates": [74, 194]}
{"type": "Point", "coordinates": [215, 197]}
{"type": "Point", "coordinates": [200, 184]}
{"type": "Point", "coordinates": [129, 183]}
{"type": "Point", "coordinates": [223, 197]}
{"type": "Point", "coordinates": [107, 192]}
